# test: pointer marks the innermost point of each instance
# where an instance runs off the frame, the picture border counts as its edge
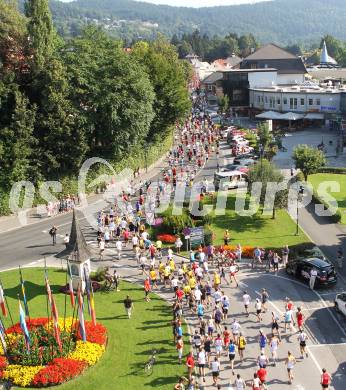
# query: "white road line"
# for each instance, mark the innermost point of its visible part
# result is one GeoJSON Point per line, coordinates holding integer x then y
{"type": "Point", "coordinates": [273, 304]}
{"type": "Point", "coordinates": [314, 308]}
{"type": "Point", "coordinates": [327, 345]}
{"type": "Point", "coordinates": [319, 296]}
{"type": "Point", "coordinates": [314, 359]}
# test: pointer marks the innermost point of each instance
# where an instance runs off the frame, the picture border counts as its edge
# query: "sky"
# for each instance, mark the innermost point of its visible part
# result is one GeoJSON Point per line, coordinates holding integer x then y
{"type": "Point", "coordinates": [200, 3]}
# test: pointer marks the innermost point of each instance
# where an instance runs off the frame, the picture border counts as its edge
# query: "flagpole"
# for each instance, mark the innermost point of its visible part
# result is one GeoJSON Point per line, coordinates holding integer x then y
{"type": "Point", "coordinates": [24, 294]}
{"type": "Point", "coordinates": [65, 299]}
{"type": "Point", "coordinates": [72, 324]}
{"type": "Point", "coordinates": [8, 308]}
{"type": "Point", "coordinates": [47, 304]}
{"type": "Point", "coordinates": [5, 337]}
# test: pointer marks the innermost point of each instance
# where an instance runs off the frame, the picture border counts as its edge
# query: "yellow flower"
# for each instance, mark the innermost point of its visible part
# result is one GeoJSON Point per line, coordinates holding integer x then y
{"type": "Point", "coordinates": [11, 338]}
{"type": "Point", "coordinates": [68, 324]}
{"type": "Point", "coordinates": [21, 375]}
{"type": "Point", "coordinates": [88, 352]}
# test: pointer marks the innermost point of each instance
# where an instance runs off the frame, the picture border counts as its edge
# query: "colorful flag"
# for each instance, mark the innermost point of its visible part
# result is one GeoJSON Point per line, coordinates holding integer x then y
{"type": "Point", "coordinates": [23, 326]}
{"type": "Point", "coordinates": [70, 285]}
{"type": "Point", "coordinates": [2, 302]}
{"type": "Point", "coordinates": [2, 336]}
{"type": "Point", "coordinates": [49, 292]}
{"type": "Point", "coordinates": [23, 293]}
{"type": "Point", "coordinates": [55, 316]}
{"type": "Point", "coordinates": [81, 314]}
{"type": "Point", "coordinates": [92, 306]}
{"type": "Point", "coordinates": [90, 295]}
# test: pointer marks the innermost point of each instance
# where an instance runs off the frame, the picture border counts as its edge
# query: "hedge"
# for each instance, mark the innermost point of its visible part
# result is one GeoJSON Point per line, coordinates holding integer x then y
{"type": "Point", "coordinates": [332, 170]}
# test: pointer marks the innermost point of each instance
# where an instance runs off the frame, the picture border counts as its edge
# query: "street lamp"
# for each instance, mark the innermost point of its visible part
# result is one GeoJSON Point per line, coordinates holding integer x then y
{"type": "Point", "coordinates": [299, 199]}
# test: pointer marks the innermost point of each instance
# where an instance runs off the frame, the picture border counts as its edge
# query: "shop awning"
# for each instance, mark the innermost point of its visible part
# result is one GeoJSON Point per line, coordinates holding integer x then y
{"type": "Point", "coordinates": [269, 115]}
{"type": "Point", "coordinates": [314, 115]}
{"type": "Point", "coordinates": [291, 116]}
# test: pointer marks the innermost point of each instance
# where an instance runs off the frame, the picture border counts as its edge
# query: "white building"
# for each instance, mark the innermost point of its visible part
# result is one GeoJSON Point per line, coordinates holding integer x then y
{"type": "Point", "coordinates": [304, 99]}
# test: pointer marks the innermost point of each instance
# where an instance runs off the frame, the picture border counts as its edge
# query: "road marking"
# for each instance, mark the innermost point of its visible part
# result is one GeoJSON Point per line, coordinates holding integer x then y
{"type": "Point", "coordinates": [319, 296]}
{"type": "Point", "coordinates": [273, 304]}
{"type": "Point", "coordinates": [327, 345]}
{"type": "Point", "coordinates": [313, 308]}
{"type": "Point", "coordinates": [314, 359]}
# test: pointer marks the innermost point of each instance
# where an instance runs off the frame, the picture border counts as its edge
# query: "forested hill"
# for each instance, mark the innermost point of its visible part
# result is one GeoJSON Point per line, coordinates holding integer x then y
{"type": "Point", "coordinates": [280, 21]}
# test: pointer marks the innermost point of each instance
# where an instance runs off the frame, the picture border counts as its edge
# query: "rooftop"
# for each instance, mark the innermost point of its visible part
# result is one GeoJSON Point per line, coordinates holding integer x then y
{"type": "Point", "coordinates": [270, 52]}
{"type": "Point", "coordinates": [300, 88]}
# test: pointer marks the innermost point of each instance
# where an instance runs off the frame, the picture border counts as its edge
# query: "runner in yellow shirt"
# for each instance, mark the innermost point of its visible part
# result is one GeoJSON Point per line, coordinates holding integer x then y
{"type": "Point", "coordinates": [192, 282]}
{"type": "Point", "coordinates": [172, 265]}
{"type": "Point", "coordinates": [161, 270]}
{"type": "Point", "coordinates": [217, 280]}
{"type": "Point", "coordinates": [153, 277]}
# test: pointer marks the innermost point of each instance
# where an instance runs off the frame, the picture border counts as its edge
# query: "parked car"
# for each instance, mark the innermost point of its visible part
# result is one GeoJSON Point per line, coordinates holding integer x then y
{"type": "Point", "coordinates": [245, 156]}
{"type": "Point", "coordinates": [301, 268]}
{"type": "Point", "coordinates": [233, 179]}
{"type": "Point", "coordinates": [340, 303]}
{"type": "Point", "coordinates": [244, 162]}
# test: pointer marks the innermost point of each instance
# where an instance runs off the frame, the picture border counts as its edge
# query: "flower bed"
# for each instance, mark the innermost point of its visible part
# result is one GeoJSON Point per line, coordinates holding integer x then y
{"type": "Point", "coordinates": [167, 238]}
{"type": "Point", "coordinates": [247, 251]}
{"type": "Point", "coordinates": [47, 363]}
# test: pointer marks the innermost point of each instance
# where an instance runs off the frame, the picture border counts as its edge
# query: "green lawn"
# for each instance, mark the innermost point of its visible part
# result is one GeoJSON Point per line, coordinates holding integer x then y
{"type": "Point", "coordinates": [318, 178]}
{"type": "Point", "coordinates": [130, 341]}
{"type": "Point", "coordinates": [257, 230]}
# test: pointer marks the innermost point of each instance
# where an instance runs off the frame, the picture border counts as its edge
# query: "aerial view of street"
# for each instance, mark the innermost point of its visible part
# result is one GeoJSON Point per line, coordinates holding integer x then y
{"type": "Point", "coordinates": [172, 195]}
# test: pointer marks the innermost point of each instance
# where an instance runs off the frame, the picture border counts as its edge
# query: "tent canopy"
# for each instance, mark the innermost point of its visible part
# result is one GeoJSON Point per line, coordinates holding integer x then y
{"type": "Point", "coordinates": [269, 115]}
{"type": "Point", "coordinates": [291, 116]}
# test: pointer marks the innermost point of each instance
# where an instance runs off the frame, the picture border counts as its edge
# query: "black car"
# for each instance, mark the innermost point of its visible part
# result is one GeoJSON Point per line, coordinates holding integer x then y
{"type": "Point", "coordinates": [326, 275]}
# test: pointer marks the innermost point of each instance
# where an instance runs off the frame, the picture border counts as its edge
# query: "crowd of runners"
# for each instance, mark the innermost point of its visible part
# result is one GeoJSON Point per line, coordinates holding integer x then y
{"type": "Point", "coordinates": [218, 339]}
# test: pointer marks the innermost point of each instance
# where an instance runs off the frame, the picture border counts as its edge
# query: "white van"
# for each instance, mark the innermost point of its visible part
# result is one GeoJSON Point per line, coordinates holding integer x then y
{"type": "Point", "coordinates": [230, 180]}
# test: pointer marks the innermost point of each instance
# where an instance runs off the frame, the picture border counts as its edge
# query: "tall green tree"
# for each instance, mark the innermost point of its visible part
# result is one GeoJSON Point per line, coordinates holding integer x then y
{"type": "Point", "coordinates": [111, 91]}
{"type": "Point", "coordinates": [17, 143]}
{"type": "Point", "coordinates": [308, 159]}
{"type": "Point", "coordinates": [59, 127]}
{"type": "Point", "coordinates": [42, 35]}
{"type": "Point", "coordinates": [169, 79]}
{"type": "Point", "coordinates": [265, 172]}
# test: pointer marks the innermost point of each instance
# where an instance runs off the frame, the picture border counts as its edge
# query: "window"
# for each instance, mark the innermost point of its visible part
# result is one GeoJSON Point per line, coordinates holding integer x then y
{"type": "Point", "coordinates": [311, 102]}
{"type": "Point", "coordinates": [258, 98]}
{"type": "Point", "coordinates": [278, 101]}
{"type": "Point", "coordinates": [266, 99]}
{"type": "Point", "coordinates": [302, 102]}
{"type": "Point", "coordinates": [285, 101]}
{"type": "Point", "coordinates": [272, 102]}
{"type": "Point", "coordinates": [318, 102]}
{"type": "Point", "coordinates": [293, 103]}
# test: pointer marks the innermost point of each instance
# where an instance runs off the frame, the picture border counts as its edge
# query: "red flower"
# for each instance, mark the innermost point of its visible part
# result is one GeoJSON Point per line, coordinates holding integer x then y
{"type": "Point", "coordinates": [58, 371]}
{"type": "Point", "coordinates": [95, 333]}
{"type": "Point", "coordinates": [168, 238]}
{"type": "Point", "coordinates": [3, 362]}
{"type": "Point", "coordinates": [32, 323]}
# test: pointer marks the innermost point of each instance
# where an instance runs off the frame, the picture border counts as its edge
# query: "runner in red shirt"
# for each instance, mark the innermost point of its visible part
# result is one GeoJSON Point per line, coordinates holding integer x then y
{"type": "Point", "coordinates": [300, 318]}
{"type": "Point", "coordinates": [262, 376]}
{"type": "Point", "coordinates": [190, 364]}
{"type": "Point", "coordinates": [325, 379]}
{"type": "Point", "coordinates": [179, 294]}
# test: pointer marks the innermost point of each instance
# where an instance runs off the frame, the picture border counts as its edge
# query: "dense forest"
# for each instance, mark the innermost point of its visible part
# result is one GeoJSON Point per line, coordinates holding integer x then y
{"type": "Point", "coordinates": [62, 101]}
{"type": "Point", "coordinates": [214, 48]}
{"type": "Point", "coordinates": [284, 22]}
